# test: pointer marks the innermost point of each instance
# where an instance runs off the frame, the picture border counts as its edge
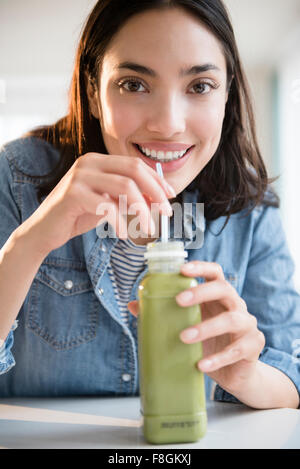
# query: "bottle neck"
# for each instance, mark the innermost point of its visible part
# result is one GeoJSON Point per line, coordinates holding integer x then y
{"type": "Point", "coordinates": [165, 257]}
{"type": "Point", "coordinates": [165, 265]}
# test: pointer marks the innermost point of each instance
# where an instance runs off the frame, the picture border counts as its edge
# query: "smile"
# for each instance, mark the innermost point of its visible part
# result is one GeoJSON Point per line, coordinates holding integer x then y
{"type": "Point", "coordinates": [162, 156]}
{"type": "Point", "coordinates": [170, 160]}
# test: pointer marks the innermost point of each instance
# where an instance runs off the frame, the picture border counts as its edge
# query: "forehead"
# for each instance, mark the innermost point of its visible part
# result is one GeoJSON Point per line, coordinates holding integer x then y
{"type": "Point", "coordinates": [164, 39]}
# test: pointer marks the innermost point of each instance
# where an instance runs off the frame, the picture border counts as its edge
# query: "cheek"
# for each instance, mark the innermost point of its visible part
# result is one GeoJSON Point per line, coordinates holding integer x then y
{"type": "Point", "coordinates": [119, 118]}
{"type": "Point", "coordinates": [208, 122]}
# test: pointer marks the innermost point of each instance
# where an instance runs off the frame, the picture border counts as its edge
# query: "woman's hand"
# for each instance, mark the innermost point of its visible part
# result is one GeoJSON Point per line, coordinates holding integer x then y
{"type": "Point", "coordinates": [231, 341]}
{"type": "Point", "coordinates": [228, 332]}
{"type": "Point", "coordinates": [72, 207]}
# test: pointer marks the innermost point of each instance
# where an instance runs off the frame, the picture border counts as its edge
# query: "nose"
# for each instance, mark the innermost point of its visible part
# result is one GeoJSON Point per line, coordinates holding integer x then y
{"type": "Point", "coordinates": [167, 116]}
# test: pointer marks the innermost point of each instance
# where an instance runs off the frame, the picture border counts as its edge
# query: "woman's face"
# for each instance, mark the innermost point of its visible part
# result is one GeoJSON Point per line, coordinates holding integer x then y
{"type": "Point", "coordinates": [163, 87]}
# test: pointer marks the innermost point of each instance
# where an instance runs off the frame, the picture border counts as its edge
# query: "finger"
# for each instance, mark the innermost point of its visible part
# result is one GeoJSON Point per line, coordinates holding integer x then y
{"type": "Point", "coordinates": [218, 290]}
{"type": "Point", "coordinates": [115, 186]}
{"type": "Point", "coordinates": [132, 164]}
{"type": "Point", "coordinates": [134, 167]}
{"type": "Point", "coordinates": [208, 270]}
{"type": "Point", "coordinates": [246, 348]}
{"type": "Point", "coordinates": [234, 322]}
{"type": "Point", "coordinates": [133, 307]}
{"type": "Point", "coordinates": [102, 208]}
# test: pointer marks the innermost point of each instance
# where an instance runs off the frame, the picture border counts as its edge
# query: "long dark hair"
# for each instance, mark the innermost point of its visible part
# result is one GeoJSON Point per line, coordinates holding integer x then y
{"type": "Point", "coordinates": [235, 178]}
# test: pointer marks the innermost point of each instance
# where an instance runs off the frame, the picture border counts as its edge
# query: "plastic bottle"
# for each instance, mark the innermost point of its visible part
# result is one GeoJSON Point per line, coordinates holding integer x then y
{"type": "Point", "coordinates": [171, 386]}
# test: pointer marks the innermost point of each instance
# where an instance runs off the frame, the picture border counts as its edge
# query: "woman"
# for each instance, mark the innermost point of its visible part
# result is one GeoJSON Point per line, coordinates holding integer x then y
{"type": "Point", "coordinates": [153, 81]}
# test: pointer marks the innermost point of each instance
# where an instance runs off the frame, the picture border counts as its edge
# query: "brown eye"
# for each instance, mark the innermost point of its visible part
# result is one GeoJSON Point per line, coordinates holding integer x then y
{"type": "Point", "coordinates": [202, 88]}
{"type": "Point", "coordinates": [130, 85]}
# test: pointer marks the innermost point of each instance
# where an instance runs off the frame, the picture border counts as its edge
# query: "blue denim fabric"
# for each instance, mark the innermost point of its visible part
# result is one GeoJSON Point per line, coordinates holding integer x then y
{"type": "Point", "coordinates": [70, 338]}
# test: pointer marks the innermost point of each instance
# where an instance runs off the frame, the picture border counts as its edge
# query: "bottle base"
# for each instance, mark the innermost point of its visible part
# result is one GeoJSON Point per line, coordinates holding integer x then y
{"type": "Point", "coordinates": [166, 429]}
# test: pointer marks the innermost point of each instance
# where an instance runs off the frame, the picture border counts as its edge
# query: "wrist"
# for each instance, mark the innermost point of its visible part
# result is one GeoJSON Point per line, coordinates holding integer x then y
{"type": "Point", "coordinates": [267, 387]}
{"type": "Point", "coordinates": [246, 389]}
{"type": "Point", "coordinates": [29, 239]}
{"type": "Point", "coordinates": [244, 383]}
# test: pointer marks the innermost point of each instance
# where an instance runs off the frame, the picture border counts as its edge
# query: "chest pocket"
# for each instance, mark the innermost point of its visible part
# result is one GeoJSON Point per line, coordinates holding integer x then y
{"type": "Point", "coordinates": [62, 306]}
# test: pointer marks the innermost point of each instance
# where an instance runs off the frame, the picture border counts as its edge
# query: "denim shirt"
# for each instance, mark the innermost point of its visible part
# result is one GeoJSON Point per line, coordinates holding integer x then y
{"type": "Point", "coordinates": [69, 337]}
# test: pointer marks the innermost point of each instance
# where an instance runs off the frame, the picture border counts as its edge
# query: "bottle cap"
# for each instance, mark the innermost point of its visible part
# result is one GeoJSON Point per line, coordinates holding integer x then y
{"type": "Point", "coordinates": [163, 250]}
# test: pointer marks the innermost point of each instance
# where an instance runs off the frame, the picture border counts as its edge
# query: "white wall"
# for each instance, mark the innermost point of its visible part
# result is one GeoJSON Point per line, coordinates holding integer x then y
{"type": "Point", "coordinates": [289, 105]}
{"type": "Point", "coordinates": [38, 37]}
{"type": "Point", "coordinates": [38, 41]}
{"type": "Point", "coordinates": [260, 81]}
{"type": "Point", "coordinates": [262, 29]}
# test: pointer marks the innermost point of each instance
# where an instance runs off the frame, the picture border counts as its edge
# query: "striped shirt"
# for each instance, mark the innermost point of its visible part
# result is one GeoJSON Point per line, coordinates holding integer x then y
{"type": "Point", "coordinates": [126, 263]}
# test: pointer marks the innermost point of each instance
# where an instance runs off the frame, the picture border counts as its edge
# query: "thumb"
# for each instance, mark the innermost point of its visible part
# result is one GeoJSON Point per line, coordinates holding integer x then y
{"type": "Point", "coordinates": [133, 307]}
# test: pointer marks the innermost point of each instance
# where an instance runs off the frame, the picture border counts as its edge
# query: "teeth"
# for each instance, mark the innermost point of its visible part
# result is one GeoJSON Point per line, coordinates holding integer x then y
{"type": "Point", "coordinates": [161, 155]}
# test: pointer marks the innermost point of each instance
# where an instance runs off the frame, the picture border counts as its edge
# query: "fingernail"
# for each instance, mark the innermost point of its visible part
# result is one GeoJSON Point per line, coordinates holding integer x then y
{"type": "Point", "coordinates": [185, 297]}
{"type": "Point", "coordinates": [205, 365]}
{"type": "Point", "coordinates": [189, 267]}
{"type": "Point", "coordinates": [189, 334]}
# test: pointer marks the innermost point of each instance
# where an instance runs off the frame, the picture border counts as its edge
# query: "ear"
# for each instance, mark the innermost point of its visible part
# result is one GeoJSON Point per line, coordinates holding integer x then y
{"type": "Point", "coordinates": [92, 95]}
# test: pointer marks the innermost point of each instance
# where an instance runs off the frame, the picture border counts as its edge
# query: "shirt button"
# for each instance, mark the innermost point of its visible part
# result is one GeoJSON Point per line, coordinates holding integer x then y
{"type": "Point", "coordinates": [101, 291]}
{"type": "Point", "coordinates": [126, 377]}
{"type": "Point", "coordinates": [103, 248]}
{"type": "Point", "coordinates": [68, 284]}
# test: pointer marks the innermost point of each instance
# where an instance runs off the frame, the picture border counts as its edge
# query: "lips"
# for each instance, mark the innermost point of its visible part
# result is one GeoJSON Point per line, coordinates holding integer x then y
{"type": "Point", "coordinates": [167, 166]}
{"type": "Point", "coordinates": [161, 156]}
{"type": "Point", "coordinates": [164, 146]}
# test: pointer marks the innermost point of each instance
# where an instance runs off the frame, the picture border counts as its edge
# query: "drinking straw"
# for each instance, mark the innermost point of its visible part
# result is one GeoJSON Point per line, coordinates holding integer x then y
{"type": "Point", "coordinates": [164, 218]}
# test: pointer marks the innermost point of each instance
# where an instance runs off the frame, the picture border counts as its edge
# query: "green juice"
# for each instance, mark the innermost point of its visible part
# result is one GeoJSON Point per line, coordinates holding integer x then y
{"type": "Point", "coordinates": [171, 387]}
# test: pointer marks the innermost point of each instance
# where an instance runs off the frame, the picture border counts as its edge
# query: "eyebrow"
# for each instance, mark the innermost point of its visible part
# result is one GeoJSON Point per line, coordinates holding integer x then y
{"type": "Point", "coordinates": [195, 70]}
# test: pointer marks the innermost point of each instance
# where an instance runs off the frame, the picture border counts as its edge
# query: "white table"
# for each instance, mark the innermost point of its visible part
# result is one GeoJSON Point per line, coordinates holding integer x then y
{"type": "Point", "coordinates": [112, 423]}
